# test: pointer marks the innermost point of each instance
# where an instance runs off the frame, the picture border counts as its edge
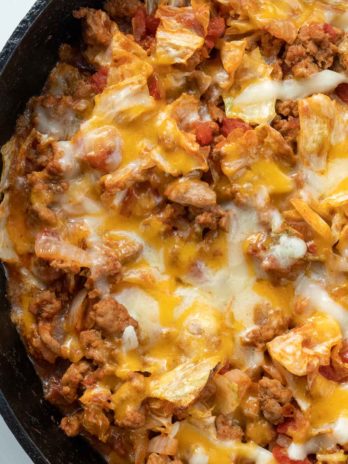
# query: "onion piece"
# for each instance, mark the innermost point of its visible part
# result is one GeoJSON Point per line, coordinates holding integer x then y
{"type": "Point", "coordinates": [76, 310]}
{"type": "Point", "coordinates": [163, 444]}
{"type": "Point", "coordinates": [49, 247]}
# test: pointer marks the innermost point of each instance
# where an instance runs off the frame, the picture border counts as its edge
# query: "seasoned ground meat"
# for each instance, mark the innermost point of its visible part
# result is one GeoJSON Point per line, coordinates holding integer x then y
{"type": "Point", "coordinates": [269, 321]}
{"type": "Point", "coordinates": [97, 26]}
{"type": "Point", "coordinates": [71, 425]}
{"type": "Point", "coordinates": [96, 422]}
{"type": "Point", "coordinates": [72, 379]}
{"type": "Point", "coordinates": [122, 8]}
{"type": "Point", "coordinates": [287, 121]}
{"type": "Point", "coordinates": [213, 219]}
{"type": "Point", "coordinates": [38, 349]}
{"type": "Point", "coordinates": [274, 397]}
{"type": "Point", "coordinates": [314, 49]}
{"type": "Point", "coordinates": [112, 317]}
{"type": "Point", "coordinates": [270, 45]}
{"type": "Point", "coordinates": [95, 348]}
{"type": "Point", "coordinates": [228, 428]}
{"type": "Point", "coordinates": [268, 251]}
{"type": "Point", "coordinates": [45, 305]}
{"type": "Point", "coordinates": [343, 52]}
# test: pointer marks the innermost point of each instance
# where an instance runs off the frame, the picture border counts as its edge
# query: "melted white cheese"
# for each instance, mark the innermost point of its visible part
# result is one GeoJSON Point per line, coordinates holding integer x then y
{"type": "Point", "coordinates": [290, 89]}
{"type": "Point", "coordinates": [288, 250]}
{"type": "Point", "coordinates": [143, 308]}
{"type": "Point", "coordinates": [232, 285]}
{"type": "Point", "coordinates": [321, 301]}
{"type": "Point", "coordinates": [130, 339]}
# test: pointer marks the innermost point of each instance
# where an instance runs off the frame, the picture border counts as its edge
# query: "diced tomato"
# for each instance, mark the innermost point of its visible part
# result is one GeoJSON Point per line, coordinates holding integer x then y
{"type": "Point", "coordinates": [144, 24]}
{"type": "Point", "coordinates": [154, 87]}
{"type": "Point", "coordinates": [342, 92]}
{"type": "Point", "coordinates": [152, 24]}
{"type": "Point", "coordinates": [229, 124]}
{"type": "Point", "coordinates": [285, 426]}
{"type": "Point", "coordinates": [204, 133]}
{"type": "Point", "coordinates": [139, 24]}
{"type": "Point", "coordinates": [99, 79]}
{"type": "Point", "coordinates": [331, 31]}
{"type": "Point", "coordinates": [216, 30]}
{"type": "Point", "coordinates": [281, 456]}
{"type": "Point", "coordinates": [216, 27]}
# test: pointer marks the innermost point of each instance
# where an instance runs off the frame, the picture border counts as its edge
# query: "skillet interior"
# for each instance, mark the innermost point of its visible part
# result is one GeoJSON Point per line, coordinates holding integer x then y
{"type": "Point", "coordinates": [25, 63]}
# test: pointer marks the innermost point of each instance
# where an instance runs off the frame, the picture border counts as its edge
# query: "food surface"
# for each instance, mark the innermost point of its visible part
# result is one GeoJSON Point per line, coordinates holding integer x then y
{"type": "Point", "coordinates": [174, 225]}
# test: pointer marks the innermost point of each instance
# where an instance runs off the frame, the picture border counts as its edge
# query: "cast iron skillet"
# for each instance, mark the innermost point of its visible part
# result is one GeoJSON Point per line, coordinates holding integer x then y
{"type": "Point", "coordinates": [25, 63]}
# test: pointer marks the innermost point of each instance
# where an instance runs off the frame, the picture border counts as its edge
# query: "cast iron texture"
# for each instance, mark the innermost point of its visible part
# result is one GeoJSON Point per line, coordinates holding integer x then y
{"type": "Point", "coordinates": [25, 63]}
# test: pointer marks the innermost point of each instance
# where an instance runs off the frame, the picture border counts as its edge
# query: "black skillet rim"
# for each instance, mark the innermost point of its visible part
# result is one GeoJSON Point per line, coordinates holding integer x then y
{"type": "Point", "coordinates": [5, 56]}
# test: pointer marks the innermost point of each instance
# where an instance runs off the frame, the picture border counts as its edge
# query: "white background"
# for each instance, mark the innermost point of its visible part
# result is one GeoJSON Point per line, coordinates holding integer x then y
{"type": "Point", "coordinates": [11, 13]}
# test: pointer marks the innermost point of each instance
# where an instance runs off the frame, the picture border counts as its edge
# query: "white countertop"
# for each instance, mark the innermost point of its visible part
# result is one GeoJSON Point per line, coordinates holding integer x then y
{"type": "Point", "coordinates": [11, 14]}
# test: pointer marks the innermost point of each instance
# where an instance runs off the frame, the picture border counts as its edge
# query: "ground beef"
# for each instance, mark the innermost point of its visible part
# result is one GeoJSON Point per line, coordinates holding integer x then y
{"type": "Point", "coordinates": [227, 428]}
{"type": "Point", "coordinates": [269, 321]}
{"type": "Point", "coordinates": [133, 419]}
{"type": "Point", "coordinates": [274, 398]}
{"type": "Point", "coordinates": [343, 52]}
{"type": "Point", "coordinates": [122, 8]}
{"type": "Point", "coordinates": [95, 348]}
{"type": "Point", "coordinates": [287, 108]}
{"type": "Point", "coordinates": [45, 305]}
{"type": "Point", "coordinates": [97, 26]}
{"type": "Point", "coordinates": [314, 49]}
{"type": "Point", "coordinates": [289, 128]}
{"type": "Point", "coordinates": [38, 349]}
{"type": "Point", "coordinates": [270, 45]}
{"type": "Point", "coordinates": [96, 422]}
{"type": "Point", "coordinates": [71, 425]}
{"type": "Point", "coordinates": [214, 219]}
{"type": "Point", "coordinates": [264, 249]}
{"type": "Point", "coordinates": [72, 379]}
{"type": "Point", "coordinates": [112, 317]}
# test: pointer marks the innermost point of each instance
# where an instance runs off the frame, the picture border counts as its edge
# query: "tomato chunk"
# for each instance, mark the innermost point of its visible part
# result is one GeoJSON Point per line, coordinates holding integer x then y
{"type": "Point", "coordinates": [144, 24]}
{"type": "Point", "coordinates": [342, 92]}
{"type": "Point", "coordinates": [99, 79]}
{"type": "Point", "coordinates": [216, 30]}
{"type": "Point", "coordinates": [204, 133]}
{"type": "Point", "coordinates": [154, 87]}
{"type": "Point", "coordinates": [285, 426]}
{"type": "Point", "coordinates": [139, 24]}
{"type": "Point", "coordinates": [331, 31]}
{"type": "Point", "coordinates": [229, 124]}
{"type": "Point", "coordinates": [280, 455]}
{"type": "Point", "coordinates": [152, 24]}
